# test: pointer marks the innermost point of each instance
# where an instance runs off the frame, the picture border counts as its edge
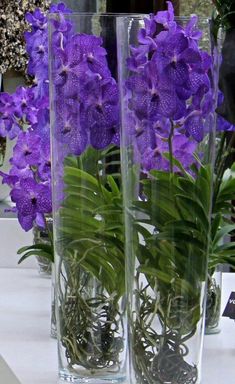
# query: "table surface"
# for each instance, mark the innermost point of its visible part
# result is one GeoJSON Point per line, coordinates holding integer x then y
{"type": "Point", "coordinates": [26, 345]}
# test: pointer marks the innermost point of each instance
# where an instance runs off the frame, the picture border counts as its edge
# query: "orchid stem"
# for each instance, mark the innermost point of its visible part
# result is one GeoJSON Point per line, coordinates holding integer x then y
{"type": "Point", "coordinates": [171, 146]}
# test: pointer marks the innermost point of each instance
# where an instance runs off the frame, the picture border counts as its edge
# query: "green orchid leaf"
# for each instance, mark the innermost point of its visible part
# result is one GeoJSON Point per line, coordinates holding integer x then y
{"type": "Point", "coordinates": [215, 225]}
{"type": "Point", "coordinates": [114, 187]}
{"type": "Point", "coordinates": [44, 247]}
{"type": "Point", "coordinates": [189, 207]}
{"type": "Point", "coordinates": [221, 233]}
{"type": "Point", "coordinates": [164, 277]}
{"type": "Point", "coordinates": [36, 252]}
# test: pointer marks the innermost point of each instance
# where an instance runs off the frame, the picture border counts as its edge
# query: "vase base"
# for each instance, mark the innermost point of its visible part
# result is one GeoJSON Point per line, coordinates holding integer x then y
{"type": "Point", "coordinates": [212, 331]}
{"type": "Point", "coordinates": [64, 376]}
{"type": "Point", "coordinates": [44, 267]}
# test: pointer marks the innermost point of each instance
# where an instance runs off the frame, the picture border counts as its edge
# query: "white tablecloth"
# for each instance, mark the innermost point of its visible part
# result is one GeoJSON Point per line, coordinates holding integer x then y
{"type": "Point", "coordinates": [25, 341]}
{"type": "Point", "coordinates": [219, 350]}
{"type": "Point", "coordinates": [26, 345]}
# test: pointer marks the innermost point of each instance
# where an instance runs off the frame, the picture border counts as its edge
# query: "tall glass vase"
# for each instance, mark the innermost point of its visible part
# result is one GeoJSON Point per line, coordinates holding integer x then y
{"type": "Point", "coordinates": [87, 201]}
{"type": "Point", "coordinates": [167, 97]}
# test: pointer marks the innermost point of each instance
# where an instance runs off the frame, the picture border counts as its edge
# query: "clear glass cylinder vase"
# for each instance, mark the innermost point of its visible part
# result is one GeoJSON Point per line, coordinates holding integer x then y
{"type": "Point", "coordinates": [87, 201]}
{"type": "Point", "coordinates": [167, 102]}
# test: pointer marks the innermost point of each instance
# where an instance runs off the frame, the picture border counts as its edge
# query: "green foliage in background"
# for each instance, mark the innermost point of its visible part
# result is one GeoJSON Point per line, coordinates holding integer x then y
{"type": "Point", "coordinates": [202, 8]}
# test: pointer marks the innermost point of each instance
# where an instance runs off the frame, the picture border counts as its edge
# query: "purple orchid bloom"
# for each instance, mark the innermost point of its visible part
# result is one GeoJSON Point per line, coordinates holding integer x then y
{"type": "Point", "coordinates": [147, 34]}
{"type": "Point", "coordinates": [145, 136]}
{"type": "Point", "coordinates": [38, 61]}
{"type": "Point", "coordinates": [42, 127]}
{"type": "Point", "coordinates": [166, 18]}
{"type": "Point", "coordinates": [194, 127]}
{"type": "Point", "coordinates": [23, 99]}
{"type": "Point", "coordinates": [15, 175]}
{"type": "Point", "coordinates": [154, 96]}
{"type": "Point", "coordinates": [71, 130]}
{"type": "Point", "coordinates": [59, 8]}
{"type": "Point", "coordinates": [87, 48]}
{"type": "Point", "coordinates": [32, 200]}
{"type": "Point", "coordinates": [8, 123]}
{"type": "Point", "coordinates": [138, 58]}
{"type": "Point", "coordinates": [27, 150]}
{"type": "Point", "coordinates": [9, 128]}
{"type": "Point", "coordinates": [37, 20]}
{"type": "Point", "coordinates": [102, 106]}
{"type": "Point", "coordinates": [62, 26]}
{"type": "Point", "coordinates": [192, 32]}
{"type": "Point", "coordinates": [173, 57]}
{"type": "Point", "coordinates": [6, 104]}
{"type": "Point", "coordinates": [10, 180]}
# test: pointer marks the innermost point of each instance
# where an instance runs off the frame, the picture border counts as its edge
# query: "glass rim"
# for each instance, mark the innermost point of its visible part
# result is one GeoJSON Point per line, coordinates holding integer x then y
{"type": "Point", "coordinates": [201, 19]}
{"type": "Point", "coordinates": [97, 14]}
{"type": "Point", "coordinates": [125, 15]}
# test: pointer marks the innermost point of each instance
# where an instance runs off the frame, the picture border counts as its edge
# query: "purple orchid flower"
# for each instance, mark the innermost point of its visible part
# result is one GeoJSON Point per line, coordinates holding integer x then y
{"type": "Point", "coordinates": [8, 123]}
{"type": "Point", "coordinates": [15, 174]}
{"type": "Point", "coordinates": [32, 201]}
{"type": "Point", "coordinates": [192, 32]}
{"type": "Point", "coordinates": [153, 95]}
{"type": "Point", "coordinates": [24, 102]}
{"type": "Point", "coordinates": [60, 8]}
{"type": "Point", "coordinates": [42, 127]}
{"type": "Point", "coordinates": [166, 18]}
{"type": "Point", "coordinates": [37, 20]}
{"type": "Point", "coordinates": [38, 61]}
{"type": "Point", "coordinates": [27, 150]}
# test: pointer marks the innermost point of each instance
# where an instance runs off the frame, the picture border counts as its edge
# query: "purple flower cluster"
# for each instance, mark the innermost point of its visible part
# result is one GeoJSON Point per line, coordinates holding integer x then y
{"type": "Point", "coordinates": [168, 93]}
{"type": "Point", "coordinates": [86, 102]}
{"type": "Point", "coordinates": [17, 110]}
{"type": "Point", "coordinates": [24, 116]}
{"type": "Point", "coordinates": [86, 109]}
